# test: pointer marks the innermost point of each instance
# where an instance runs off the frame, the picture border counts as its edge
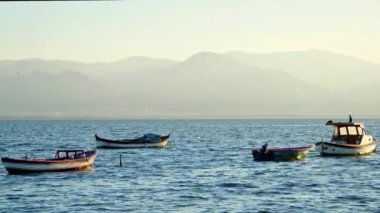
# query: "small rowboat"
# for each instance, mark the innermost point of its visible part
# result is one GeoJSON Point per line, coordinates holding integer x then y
{"type": "Point", "coordinates": [65, 160]}
{"type": "Point", "coordinates": [280, 154]}
{"type": "Point", "coordinates": [146, 141]}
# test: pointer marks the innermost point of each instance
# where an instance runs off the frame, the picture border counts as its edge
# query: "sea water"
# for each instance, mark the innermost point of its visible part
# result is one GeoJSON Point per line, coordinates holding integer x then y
{"type": "Point", "coordinates": [207, 167]}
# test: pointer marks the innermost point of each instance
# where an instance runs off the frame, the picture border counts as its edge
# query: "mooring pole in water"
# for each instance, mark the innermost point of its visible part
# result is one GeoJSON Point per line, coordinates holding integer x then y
{"type": "Point", "coordinates": [121, 162]}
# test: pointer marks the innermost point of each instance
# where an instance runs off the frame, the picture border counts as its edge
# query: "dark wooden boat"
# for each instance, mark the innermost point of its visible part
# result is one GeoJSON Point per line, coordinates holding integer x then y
{"type": "Point", "coordinates": [280, 154]}
{"type": "Point", "coordinates": [65, 160]}
{"type": "Point", "coordinates": [146, 141]}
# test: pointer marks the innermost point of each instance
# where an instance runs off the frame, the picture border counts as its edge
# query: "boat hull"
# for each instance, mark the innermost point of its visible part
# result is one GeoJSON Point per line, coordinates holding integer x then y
{"type": "Point", "coordinates": [131, 143]}
{"type": "Point", "coordinates": [105, 144]}
{"type": "Point", "coordinates": [332, 149]}
{"type": "Point", "coordinates": [25, 166]}
{"type": "Point", "coordinates": [285, 154]}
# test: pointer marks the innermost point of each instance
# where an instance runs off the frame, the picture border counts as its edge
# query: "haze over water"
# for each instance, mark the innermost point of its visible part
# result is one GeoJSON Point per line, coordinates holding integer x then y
{"type": "Point", "coordinates": [189, 59]}
{"type": "Point", "coordinates": [209, 168]}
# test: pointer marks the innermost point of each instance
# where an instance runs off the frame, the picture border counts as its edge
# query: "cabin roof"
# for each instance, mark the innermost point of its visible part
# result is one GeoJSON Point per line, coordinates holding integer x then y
{"type": "Point", "coordinates": [70, 150]}
{"type": "Point", "coordinates": [342, 124]}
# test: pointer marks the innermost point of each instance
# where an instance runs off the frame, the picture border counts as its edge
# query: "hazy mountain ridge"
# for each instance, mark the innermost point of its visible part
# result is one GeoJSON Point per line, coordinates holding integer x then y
{"type": "Point", "coordinates": [11, 67]}
{"type": "Point", "coordinates": [41, 93]}
{"type": "Point", "coordinates": [326, 69]}
{"type": "Point", "coordinates": [206, 85]}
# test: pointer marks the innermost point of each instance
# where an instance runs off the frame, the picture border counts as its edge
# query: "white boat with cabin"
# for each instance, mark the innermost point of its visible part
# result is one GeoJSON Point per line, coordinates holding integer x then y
{"type": "Point", "coordinates": [349, 138]}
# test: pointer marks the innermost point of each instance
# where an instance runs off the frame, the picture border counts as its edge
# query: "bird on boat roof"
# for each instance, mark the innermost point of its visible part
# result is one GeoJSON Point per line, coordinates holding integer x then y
{"type": "Point", "coordinates": [350, 119]}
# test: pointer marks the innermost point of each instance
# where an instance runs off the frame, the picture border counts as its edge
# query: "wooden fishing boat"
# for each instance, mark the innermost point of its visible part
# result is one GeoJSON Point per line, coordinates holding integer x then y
{"type": "Point", "coordinates": [349, 138]}
{"type": "Point", "coordinates": [65, 160]}
{"type": "Point", "coordinates": [146, 141]}
{"type": "Point", "coordinates": [280, 154]}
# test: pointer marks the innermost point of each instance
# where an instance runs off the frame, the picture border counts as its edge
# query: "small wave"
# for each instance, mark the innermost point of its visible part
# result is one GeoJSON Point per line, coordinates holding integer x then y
{"type": "Point", "coordinates": [312, 185]}
{"type": "Point", "coordinates": [236, 185]}
{"type": "Point", "coordinates": [193, 197]}
{"type": "Point", "coordinates": [352, 197]}
{"type": "Point", "coordinates": [23, 144]}
{"type": "Point", "coordinates": [267, 192]}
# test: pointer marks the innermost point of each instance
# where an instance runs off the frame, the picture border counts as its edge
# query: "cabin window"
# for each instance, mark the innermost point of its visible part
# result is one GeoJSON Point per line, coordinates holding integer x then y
{"type": "Point", "coordinates": [352, 130]}
{"type": "Point", "coordinates": [336, 132]}
{"type": "Point", "coordinates": [343, 131]}
{"type": "Point", "coordinates": [360, 131]}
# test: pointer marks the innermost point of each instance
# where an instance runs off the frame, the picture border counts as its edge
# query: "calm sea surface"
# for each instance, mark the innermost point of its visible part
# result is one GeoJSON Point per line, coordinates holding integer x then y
{"type": "Point", "coordinates": [209, 168]}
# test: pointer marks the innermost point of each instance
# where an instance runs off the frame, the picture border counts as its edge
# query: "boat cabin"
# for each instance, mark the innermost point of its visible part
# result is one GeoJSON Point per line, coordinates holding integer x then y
{"type": "Point", "coordinates": [347, 133]}
{"type": "Point", "coordinates": [70, 154]}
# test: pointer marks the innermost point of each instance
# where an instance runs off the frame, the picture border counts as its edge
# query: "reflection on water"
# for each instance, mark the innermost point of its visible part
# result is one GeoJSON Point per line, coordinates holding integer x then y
{"type": "Point", "coordinates": [209, 168]}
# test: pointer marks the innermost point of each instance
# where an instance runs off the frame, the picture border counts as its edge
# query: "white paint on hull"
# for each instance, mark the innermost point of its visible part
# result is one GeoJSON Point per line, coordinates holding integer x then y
{"type": "Point", "coordinates": [135, 145]}
{"type": "Point", "coordinates": [327, 149]}
{"type": "Point", "coordinates": [36, 167]}
{"type": "Point", "coordinates": [42, 167]}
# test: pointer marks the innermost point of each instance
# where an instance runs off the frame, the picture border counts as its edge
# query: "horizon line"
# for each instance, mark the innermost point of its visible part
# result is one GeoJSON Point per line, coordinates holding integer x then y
{"type": "Point", "coordinates": [196, 53]}
{"type": "Point", "coordinates": [78, 118]}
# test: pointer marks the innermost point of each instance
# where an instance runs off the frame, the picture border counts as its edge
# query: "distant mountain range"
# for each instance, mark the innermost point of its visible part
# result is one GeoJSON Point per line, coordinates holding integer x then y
{"type": "Point", "coordinates": [304, 84]}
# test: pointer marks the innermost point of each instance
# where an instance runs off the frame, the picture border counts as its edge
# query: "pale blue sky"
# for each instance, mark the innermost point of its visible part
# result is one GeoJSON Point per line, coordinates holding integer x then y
{"type": "Point", "coordinates": [108, 31]}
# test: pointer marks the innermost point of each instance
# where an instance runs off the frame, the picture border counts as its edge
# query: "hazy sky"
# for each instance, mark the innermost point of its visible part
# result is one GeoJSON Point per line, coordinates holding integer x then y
{"type": "Point", "coordinates": [112, 30]}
